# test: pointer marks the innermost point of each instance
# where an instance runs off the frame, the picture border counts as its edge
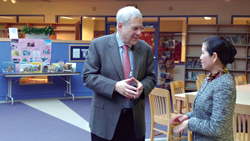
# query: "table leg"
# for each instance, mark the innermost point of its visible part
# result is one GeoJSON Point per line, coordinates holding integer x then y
{"type": "Point", "coordinates": [69, 88]}
{"type": "Point", "coordinates": [9, 90]}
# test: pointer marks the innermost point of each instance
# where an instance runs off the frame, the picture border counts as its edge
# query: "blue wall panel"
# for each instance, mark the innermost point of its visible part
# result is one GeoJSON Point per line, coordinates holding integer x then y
{"type": "Point", "coordinates": [57, 89]}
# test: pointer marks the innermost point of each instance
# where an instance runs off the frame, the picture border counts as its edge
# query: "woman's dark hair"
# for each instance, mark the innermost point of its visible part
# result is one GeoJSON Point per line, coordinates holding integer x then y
{"type": "Point", "coordinates": [223, 47]}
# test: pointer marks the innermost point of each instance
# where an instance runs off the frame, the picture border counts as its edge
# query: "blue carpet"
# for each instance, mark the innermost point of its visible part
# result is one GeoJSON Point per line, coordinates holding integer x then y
{"type": "Point", "coordinates": [24, 123]}
{"type": "Point", "coordinates": [81, 106]}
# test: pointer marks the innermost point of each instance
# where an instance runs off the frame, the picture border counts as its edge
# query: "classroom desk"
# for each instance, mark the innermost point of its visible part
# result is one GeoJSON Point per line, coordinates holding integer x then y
{"type": "Point", "coordinates": [242, 96]}
{"type": "Point", "coordinates": [59, 74]}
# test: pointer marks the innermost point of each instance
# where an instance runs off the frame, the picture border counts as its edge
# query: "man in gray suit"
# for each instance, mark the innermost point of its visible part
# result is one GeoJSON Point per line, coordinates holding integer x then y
{"type": "Point", "coordinates": [118, 104]}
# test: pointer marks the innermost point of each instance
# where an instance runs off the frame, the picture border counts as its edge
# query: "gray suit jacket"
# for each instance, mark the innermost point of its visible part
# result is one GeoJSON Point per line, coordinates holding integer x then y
{"type": "Point", "coordinates": [212, 115]}
{"type": "Point", "coordinates": [102, 70]}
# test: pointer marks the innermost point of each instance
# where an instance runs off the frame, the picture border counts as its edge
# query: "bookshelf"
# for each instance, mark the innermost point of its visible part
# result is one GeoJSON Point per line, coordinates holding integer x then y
{"type": "Point", "coordinates": [62, 31]}
{"type": "Point", "coordinates": [237, 34]}
{"type": "Point", "coordinates": [248, 53]}
{"type": "Point", "coordinates": [66, 31]}
{"type": "Point", "coordinates": [2, 30]}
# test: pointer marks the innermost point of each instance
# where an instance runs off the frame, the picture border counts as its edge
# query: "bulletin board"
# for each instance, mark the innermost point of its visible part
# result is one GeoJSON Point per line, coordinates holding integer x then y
{"type": "Point", "coordinates": [30, 50]}
{"type": "Point", "coordinates": [78, 53]}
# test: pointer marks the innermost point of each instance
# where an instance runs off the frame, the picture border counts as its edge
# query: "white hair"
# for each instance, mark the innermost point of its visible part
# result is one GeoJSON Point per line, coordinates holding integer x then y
{"type": "Point", "coordinates": [124, 15]}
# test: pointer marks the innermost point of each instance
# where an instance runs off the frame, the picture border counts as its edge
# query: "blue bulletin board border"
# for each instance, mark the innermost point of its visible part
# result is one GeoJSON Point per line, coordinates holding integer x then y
{"type": "Point", "coordinates": [78, 53]}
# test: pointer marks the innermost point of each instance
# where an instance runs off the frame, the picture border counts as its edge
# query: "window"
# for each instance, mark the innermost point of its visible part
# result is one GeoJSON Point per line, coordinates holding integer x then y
{"type": "Point", "coordinates": [241, 20]}
{"type": "Point", "coordinates": [31, 19]}
{"type": "Point", "coordinates": [8, 19]}
{"type": "Point", "coordinates": [202, 20]}
{"type": "Point", "coordinates": [69, 19]}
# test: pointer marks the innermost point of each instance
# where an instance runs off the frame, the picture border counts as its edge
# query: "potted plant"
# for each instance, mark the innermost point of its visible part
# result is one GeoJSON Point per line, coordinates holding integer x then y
{"type": "Point", "coordinates": [37, 33]}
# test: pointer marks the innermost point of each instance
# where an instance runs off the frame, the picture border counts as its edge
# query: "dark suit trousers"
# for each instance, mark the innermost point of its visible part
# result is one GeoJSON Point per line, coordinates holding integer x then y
{"type": "Point", "coordinates": [124, 130]}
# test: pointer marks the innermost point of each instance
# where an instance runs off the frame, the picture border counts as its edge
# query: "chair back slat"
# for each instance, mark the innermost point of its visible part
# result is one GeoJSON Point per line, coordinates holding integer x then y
{"type": "Point", "coordinates": [155, 105]}
{"type": "Point", "coordinates": [241, 118]}
{"type": "Point", "coordinates": [244, 126]}
{"type": "Point", "coordinates": [248, 127]}
{"type": "Point", "coordinates": [234, 125]}
{"type": "Point", "coordinates": [240, 80]}
{"type": "Point", "coordinates": [242, 83]}
{"type": "Point", "coordinates": [163, 108]}
{"type": "Point", "coordinates": [168, 110]}
{"type": "Point", "coordinates": [160, 106]}
{"type": "Point", "coordinates": [239, 126]}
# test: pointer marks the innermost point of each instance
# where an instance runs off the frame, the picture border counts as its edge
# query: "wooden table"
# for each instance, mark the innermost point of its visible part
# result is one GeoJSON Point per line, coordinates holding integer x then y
{"type": "Point", "coordinates": [180, 98]}
{"type": "Point", "coordinates": [242, 96]}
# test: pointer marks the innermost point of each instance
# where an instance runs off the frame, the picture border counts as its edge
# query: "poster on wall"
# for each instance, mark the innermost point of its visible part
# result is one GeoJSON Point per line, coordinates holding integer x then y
{"type": "Point", "coordinates": [30, 50]}
{"type": "Point", "coordinates": [78, 53]}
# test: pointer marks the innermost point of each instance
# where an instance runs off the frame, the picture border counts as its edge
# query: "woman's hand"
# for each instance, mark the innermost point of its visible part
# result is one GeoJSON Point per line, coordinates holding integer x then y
{"type": "Point", "coordinates": [181, 127]}
{"type": "Point", "coordinates": [178, 118]}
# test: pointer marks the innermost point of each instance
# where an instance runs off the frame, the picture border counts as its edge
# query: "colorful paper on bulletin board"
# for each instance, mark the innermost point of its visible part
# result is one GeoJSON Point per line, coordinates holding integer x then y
{"type": "Point", "coordinates": [30, 50]}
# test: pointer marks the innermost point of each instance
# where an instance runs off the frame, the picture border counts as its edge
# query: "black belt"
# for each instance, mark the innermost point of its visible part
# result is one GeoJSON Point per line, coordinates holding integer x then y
{"type": "Point", "coordinates": [126, 111]}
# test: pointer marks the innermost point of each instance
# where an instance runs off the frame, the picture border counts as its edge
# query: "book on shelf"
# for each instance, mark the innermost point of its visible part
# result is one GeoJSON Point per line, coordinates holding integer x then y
{"type": "Point", "coordinates": [162, 66]}
{"type": "Point", "coordinates": [240, 39]}
{"type": "Point", "coordinates": [169, 43]}
{"type": "Point", "coordinates": [230, 66]}
{"type": "Point", "coordinates": [168, 75]}
{"type": "Point", "coordinates": [191, 75]}
{"type": "Point", "coordinates": [163, 74]}
{"type": "Point", "coordinates": [248, 65]}
{"type": "Point", "coordinates": [168, 64]}
{"type": "Point", "coordinates": [168, 54]}
{"type": "Point", "coordinates": [166, 86]}
{"type": "Point", "coordinates": [193, 63]}
{"type": "Point", "coordinates": [163, 58]}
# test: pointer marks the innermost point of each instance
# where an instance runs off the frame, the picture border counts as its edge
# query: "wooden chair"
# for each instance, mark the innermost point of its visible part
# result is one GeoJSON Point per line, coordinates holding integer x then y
{"type": "Point", "coordinates": [241, 116]}
{"type": "Point", "coordinates": [177, 87]}
{"type": "Point", "coordinates": [240, 80]}
{"type": "Point", "coordinates": [201, 77]}
{"type": "Point", "coordinates": [161, 113]}
{"type": "Point", "coordinates": [189, 104]}
{"type": "Point", "coordinates": [200, 80]}
{"type": "Point", "coordinates": [198, 84]}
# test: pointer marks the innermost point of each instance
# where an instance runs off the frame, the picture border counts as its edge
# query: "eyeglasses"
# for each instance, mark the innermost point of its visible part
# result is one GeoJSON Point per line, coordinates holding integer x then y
{"type": "Point", "coordinates": [136, 28]}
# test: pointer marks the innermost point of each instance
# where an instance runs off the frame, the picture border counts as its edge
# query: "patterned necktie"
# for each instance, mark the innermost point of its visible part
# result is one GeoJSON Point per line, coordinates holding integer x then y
{"type": "Point", "coordinates": [126, 64]}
